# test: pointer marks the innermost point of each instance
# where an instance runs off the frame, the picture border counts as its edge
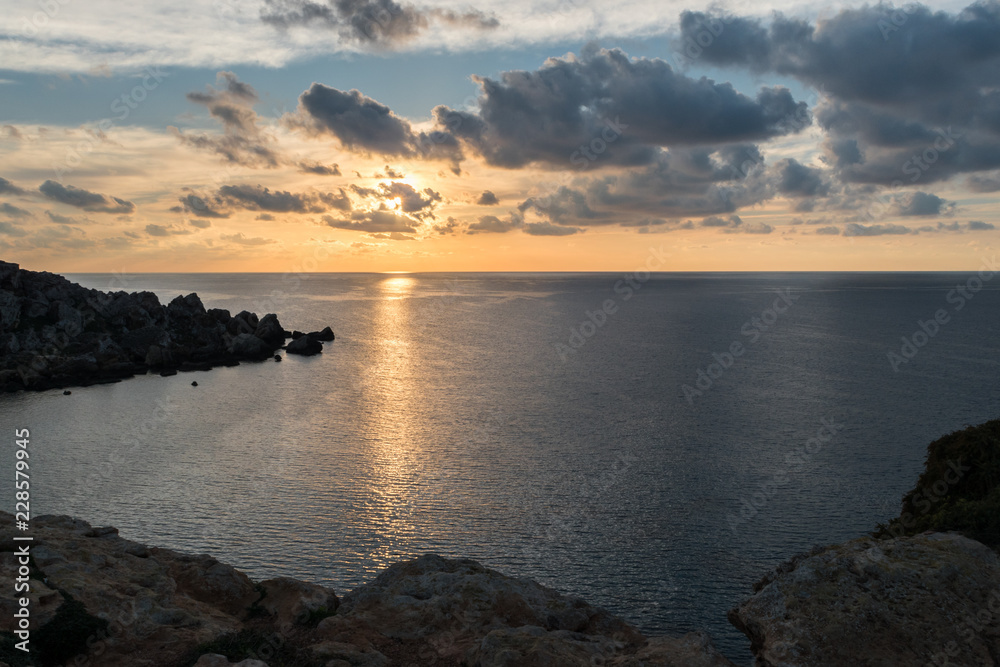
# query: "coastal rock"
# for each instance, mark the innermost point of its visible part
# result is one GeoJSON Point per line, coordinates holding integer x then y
{"type": "Point", "coordinates": [293, 602]}
{"type": "Point", "coordinates": [325, 335]}
{"type": "Point", "coordinates": [305, 346]}
{"type": "Point", "coordinates": [249, 346]}
{"type": "Point", "coordinates": [55, 333]}
{"type": "Point", "coordinates": [928, 599]}
{"type": "Point", "coordinates": [135, 606]}
{"type": "Point", "coordinates": [270, 330]}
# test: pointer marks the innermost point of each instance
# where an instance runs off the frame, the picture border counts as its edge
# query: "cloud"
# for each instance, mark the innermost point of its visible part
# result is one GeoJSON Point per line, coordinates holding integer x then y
{"type": "Point", "coordinates": [369, 22]}
{"type": "Point", "coordinates": [922, 203]}
{"type": "Point", "coordinates": [984, 183]}
{"type": "Point", "coordinates": [13, 211]}
{"type": "Point", "coordinates": [321, 169]}
{"type": "Point", "coordinates": [364, 125]}
{"type": "Point", "coordinates": [10, 229]}
{"type": "Point", "coordinates": [160, 230]}
{"type": "Point", "coordinates": [393, 236]}
{"type": "Point", "coordinates": [8, 188]}
{"type": "Point", "coordinates": [548, 229]}
{"type": "Point", "coordinates": [491, 224]}
{"type": "Point", "coordinates": [855, 229]}
{"type": "Point", "coordinates": [979, 225]}
{"type": "Point", "coordinates": [895, 111]}
{"type": "Point", "coordinates": [243, 240]}
{"type": "Point", "coordinates": [603, 108]}
{"type": "Point", "coordinates": [203, 209]}
{"type": "Point", "coordinates": [229, 198]}
{"type": "Point", "coordinates": [487, 199]}
{"type": "Point", "coordinates": [65, 219]}
{"type": "Point", "coordinates": [829, 229]}
{"type": "Point", "coordinates": [259, 198]}
{"type": "Point", "coordinates": [798, 180]}
{"type": "Point", "coordinates": [88, 201]}
{"type": "Point", "coordinates": [372, 221]}
{"type": "Point", "coordinates": [243, 142]}
{"type": "Point", "coordinates": [716, 221]}
{"type": "Point", "coordinates": [200, 224]}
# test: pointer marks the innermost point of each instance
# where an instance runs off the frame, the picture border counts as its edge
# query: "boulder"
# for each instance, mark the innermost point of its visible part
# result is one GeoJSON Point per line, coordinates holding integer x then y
{"type": "Point", "coordinates": [270, 330]}
{"type": "Point", "coordinates": [248, 346]}
{"type": "Point", "coordinates": [306, 346]}
{"type": "Point", "coordinates": [294, 602]}
{"type": "Point", "coordinates": [928, 599]}
{"type": "Point", "coordinates": [326, 334]}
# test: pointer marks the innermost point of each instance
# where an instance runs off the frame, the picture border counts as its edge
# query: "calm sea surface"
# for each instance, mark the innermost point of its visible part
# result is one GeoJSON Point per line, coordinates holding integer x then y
{"type": "Point", "coordinates": [460, 414]}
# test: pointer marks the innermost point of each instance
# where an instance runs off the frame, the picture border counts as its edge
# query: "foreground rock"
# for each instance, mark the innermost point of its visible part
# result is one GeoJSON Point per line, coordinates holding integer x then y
{"type": "Point", "coordinates": [931, 599]}
{"type": "Point", "coordinates": [143, 607]}
{"type": "Point", "coordinates": [56, 333]}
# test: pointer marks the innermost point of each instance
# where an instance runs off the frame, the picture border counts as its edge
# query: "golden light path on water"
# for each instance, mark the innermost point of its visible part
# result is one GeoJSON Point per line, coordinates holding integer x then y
{"type": "Point", "coordinates": [390, 408]}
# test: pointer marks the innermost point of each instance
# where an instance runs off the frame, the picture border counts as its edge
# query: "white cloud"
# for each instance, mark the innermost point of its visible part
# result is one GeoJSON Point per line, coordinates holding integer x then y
{"type": "Point", "coordinates": [92, 36]}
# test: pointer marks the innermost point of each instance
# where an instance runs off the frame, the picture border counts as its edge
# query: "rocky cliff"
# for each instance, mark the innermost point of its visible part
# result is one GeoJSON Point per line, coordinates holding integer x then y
{"type": "Point", "coordinates": [56, 333]}
{"type": "Point", "coordinates": [98, 599]}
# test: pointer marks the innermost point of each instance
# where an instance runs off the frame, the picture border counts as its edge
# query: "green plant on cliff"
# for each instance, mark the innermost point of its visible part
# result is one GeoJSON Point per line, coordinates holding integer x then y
{"type": "Point", "coordinates": [959, 489]}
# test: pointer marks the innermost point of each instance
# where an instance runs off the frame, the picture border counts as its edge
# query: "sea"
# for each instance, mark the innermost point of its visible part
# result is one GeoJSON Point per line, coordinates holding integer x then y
{"type": "Point", "coordinates": [652, 443]}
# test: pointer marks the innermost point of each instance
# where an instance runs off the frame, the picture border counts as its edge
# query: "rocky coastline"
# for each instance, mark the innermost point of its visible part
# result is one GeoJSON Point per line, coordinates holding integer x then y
{"type": "Point", "coordinates": [55, 333]}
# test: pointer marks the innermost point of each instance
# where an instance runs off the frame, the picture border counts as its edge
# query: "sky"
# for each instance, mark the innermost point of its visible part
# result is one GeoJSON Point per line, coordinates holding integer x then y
{"type": "Point", "coordinates": [565, 135]}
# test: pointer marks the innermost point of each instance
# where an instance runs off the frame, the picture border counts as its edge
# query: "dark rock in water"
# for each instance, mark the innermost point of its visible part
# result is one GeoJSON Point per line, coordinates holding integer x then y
{"type": "Point", "coordinates": [67, 392]}
{"type": "Point", "coordinates": [306, 346]}
{"type": "Point", "coordinates": [55, 333]}
{"type": "Point", "coordinates": [249, 346]}
{"type": "Point", "coordinates": [194, 384]}
{"type": "Point", "coordinates": [269, 330]}
{"type": "Point", "coordinates": [297, 334]}
{"type": "Point", "coordinates": [325, 335]}
{"type": "Point", "coordinates": [277, 357]}
{"type": "Point", "coordinates": [166, 372]}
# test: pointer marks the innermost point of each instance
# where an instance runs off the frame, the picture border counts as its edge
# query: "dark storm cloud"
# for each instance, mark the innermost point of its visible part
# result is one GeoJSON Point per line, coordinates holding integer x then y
{"type": "Point", "coordinates": [231, 102]}
{"type": "Point", "coordinates": [487, 199]}
{"type": "Point", "coordinates": [8, 188]}
{"type": "Point", "coordinates": [369, 22]}
{"type": "Point", "coordinates": [603, 108]}
{"type": "Point", "coordinates": [365, 125]}
{"type": "Point", "coordinates": [912, 93]}
{"type": "Point", "coordinates": [88, 201]}
{"type": "Point", "coordinates": [372, 221]}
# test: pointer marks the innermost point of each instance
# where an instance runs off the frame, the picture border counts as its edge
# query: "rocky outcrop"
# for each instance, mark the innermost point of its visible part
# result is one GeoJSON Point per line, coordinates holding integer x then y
{"type": "Point", "coordinates": [56, 333]}
{"type": "Point", "coordinates": [136, 606]}
{"type": "Point", "coordinates": [931, 599]}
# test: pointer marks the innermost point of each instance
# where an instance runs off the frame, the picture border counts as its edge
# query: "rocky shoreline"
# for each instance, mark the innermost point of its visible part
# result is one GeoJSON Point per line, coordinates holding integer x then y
{"type": "Point", "coordinates": [99, 599]}
{"type": "Point", "coordinates": [55, 333]}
